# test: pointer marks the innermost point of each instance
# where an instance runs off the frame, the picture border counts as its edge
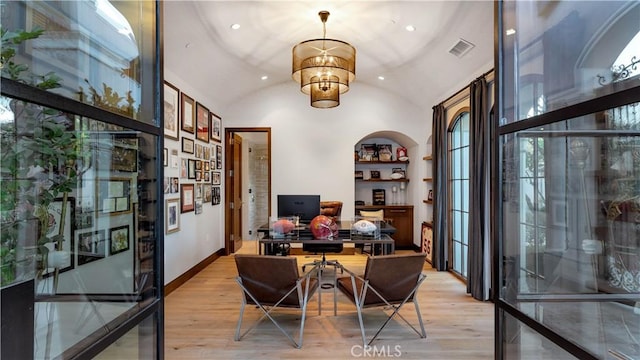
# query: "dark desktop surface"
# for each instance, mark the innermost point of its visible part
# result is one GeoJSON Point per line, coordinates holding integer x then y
{"type": "Point", "coordinates": [344, 229]}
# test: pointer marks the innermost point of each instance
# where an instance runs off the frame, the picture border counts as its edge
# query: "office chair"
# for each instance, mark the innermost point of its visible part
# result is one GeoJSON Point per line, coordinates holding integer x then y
{"type": "Point", "coordinates": [381, 287]}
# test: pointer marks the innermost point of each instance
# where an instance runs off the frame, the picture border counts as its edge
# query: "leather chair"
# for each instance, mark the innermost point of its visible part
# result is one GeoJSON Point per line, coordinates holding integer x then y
{"type": "Point", "coordinates": [331, 209]}
{"type": "Point", "coordinates": [279, 286]}
{"type": "Point", "coordinates": [381, 287]}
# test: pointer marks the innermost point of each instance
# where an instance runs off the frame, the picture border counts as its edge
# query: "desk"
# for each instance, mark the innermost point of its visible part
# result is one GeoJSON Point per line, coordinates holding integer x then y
{"type": "Point", "coordinates": [344, 230]}
{"type": "Point", "coordinates": [388, 244]}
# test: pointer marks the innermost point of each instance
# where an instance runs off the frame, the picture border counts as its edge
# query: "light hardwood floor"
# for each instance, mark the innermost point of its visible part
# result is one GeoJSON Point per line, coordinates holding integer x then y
{"type": "Point", "coordinates": [201, 315]}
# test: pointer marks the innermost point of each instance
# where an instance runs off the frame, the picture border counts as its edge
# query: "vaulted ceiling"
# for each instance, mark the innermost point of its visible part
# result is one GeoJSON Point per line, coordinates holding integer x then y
{"type": "Point", "coordinates": [202, 48]}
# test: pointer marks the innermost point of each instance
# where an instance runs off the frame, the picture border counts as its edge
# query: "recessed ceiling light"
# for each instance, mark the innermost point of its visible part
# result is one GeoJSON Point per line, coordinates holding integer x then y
{"type": "Point", "coordinates": [187, 45]}
{"type": "Point", "coordinates": [380, 77]}
{"type": "Point", "coordinates": [410, 28]}
{"type": "Point", "coordinates": [235, 26]}
{"type": "Point", "coordinates": [510, 31]}
{"type": "Point", "coordinates": [264, 77]}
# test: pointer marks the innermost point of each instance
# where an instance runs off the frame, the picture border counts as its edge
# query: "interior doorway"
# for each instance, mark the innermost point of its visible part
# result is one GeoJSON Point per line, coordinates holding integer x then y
{"type": "Point", "coordinates": [247, 184]}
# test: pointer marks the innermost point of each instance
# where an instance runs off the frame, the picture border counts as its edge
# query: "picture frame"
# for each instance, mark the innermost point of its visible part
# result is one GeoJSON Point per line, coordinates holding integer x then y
{"type": "Point", "coordinates": [113, 196]}
{"type": "Point", "coordinates": [198, 174]}
{"type": "Point", "coordinates": [215, 178]}
{"type": "Point", "coordinates": [385, 152]}
{"type": "Point", "coordinates": [187, 119]}
{"type": "Point", "coordinates": [171, 108]}
{"type": "Point", "coordinates": [206, 176]}
{"type": "Point", "coordinates": [198, 207]}
{"type": "Point", "coordinates": [216, 127]}
{"type": "Point", "coordinates": [430, 196]}
{"type": "Point", "coordinates": [165, 157]}
{"type": "Point", "coordinates": [187, 198]}
{"type": "Point", "coordinates": [174, 158]}
{"type": "Point", "coordinates": [172, 213]}
{"type": "Point", "coordinates": [192, 169]}
{"type": "Point", "coordinates": [206, 197]}
{"type": "Point", "coordinates": [184, 168]}
{"type": "Point", "coordinates": [124, 159]}
{"type": "Point", "coordinates": [215, 195]}
{"type": "Point", "coordinates": [174, 185]}
{"type": "Point", "coordinates": [374, 174]}
{"type": "Point", "coordinates": [359, 175]}
{"type": "Point", "coordinates": [84, 217]}
{"type": "Point", "coordinates": [219, 157]}
{"type": "Point", "coordinates": [187, 145]}
{"type": "Point", "coordinates": [92, 246]}
{"type": "Point", "coordinates": [118, 239]}
{"type": "Point", "coordinates": [55, 217]}
{"type": "Point", "coordinates": [202, 122]}
{"type": "Point", "coordinates": [378, 196]}
{"type": "Point", "coordinates": [368, 152]}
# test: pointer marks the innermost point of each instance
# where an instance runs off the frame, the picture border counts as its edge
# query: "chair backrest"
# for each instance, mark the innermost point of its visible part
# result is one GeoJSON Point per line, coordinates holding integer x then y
{"type": "Point", "coordinates": [268, 278]}
{"type": "Point", "coordinates": [332, 209]}
{"type": "Point", "coordinates": [393, 276]}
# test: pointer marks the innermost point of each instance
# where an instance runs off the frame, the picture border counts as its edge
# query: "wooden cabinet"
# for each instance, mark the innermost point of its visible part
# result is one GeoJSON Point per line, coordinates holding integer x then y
{"type": "Point", "coordinates": [400, 217]}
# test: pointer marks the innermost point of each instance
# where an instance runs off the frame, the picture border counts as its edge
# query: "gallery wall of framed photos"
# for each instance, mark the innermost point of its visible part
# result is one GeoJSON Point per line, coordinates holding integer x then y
{"type": "Point", "coordinates": [193, 167]}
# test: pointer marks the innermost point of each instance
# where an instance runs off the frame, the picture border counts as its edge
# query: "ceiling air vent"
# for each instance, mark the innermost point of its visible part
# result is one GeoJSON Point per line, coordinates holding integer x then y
{"type": "Point", "coordinates": [461, 47]}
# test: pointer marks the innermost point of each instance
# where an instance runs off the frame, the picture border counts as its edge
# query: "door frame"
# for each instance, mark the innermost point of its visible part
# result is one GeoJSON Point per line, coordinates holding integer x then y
{"type": "Point", "coordinates": [228, 167]}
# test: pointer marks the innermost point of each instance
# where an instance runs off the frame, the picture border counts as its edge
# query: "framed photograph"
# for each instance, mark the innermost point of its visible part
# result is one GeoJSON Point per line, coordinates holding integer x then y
{"type": "Point", "coordinates": [184, 168]}
{"type": "Point", "coordinates": [84, 217]}
{"type": "Point", "coordinates": [187, 198]}
{"type": "Point", "coordinates": [202, 122]}
{"type": "Point", "coordinates": [374, 174]}
{"type": "Point", "coordinates": [172, 222]}
{"type": "Point", "coordinates": [187, 145]}
{"type": "Point", "coordinates": [385, 152]}
{"type": "Point", "coordinates": [173, 185]}
{"type": "Point", "coordinates": [378, 196]}
{"type": "Point", "coordinates": [215, 195]}
{"type": "Point", "coordinates": [218, 157]}
{"type": "Point", "coordinates": [359, 174]}
{"type": "Point", "coordinates": [166, 185]}
{"type": "Point", "coordinates": [198, 151]}
{"type": "Point", "coordinates": [55, 221]}
{"type": "Point", "coordinates": [188, 114]}
{"type": "Point", "coordinates": [165, 157]}
{"type": "Point", "coordinates": [215, 178]}
{"type": "Point", "coordinates": [113, 196]}
{"type": "Point", "coordinates": [205, 165]}
{"type": "Point", "coordinates": [192, 169]}
{"type": "Point", "coordinates": [368, 152]}
{"type": "Point", "coordinates": [206, 176]}
{"type": "Point", "coordinates": [171, 107]}
{"type": "Point", "coordinates": [430, 195]}
{"type": "Point", "coordinates": [124, 159]}
{"type": "Point", "coordinates": [426, 241]}
{"type": "Point", "coordinates": [206, 197]}
{"type": "Point", "coordinates": [198, 207]}
{"type": "Point", "coordinates": [92, 246]}
{"type": "Point", "coordinates": [199, 191]}
{"type": "Point", "coordinates": [118, 239]}
{"type": "Point", "coordinates": [216, 127]}
{"type": "Point", "coordinates": [207, 153]}
{"type": "Point", "coordinates": [198, 174]}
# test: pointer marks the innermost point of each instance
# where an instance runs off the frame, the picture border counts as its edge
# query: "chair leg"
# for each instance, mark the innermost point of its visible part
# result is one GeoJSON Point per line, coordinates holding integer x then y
{"type": "Point", "coordinates": [244, 303]}
{"type": "Point", "coordinates": [415, 303]}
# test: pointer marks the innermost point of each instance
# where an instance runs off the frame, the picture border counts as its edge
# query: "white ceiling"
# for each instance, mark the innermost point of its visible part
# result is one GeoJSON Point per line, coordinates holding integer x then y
{"type": "Point", "coordinates": [227, 64]}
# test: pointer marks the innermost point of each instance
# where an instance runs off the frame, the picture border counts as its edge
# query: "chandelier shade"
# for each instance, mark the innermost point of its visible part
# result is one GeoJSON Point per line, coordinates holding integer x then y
{"type": "Point", "coordinates": [324, 68]}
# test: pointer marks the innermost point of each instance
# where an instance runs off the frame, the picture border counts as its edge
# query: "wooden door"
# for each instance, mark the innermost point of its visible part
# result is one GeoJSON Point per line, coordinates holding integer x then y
{"type": "Point", "coordinates": [234, 193]}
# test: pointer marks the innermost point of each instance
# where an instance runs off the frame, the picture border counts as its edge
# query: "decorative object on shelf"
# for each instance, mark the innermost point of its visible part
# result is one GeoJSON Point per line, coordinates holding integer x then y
{"type": "Point", "coordinates": [394, 195]}
{"type": "Point", "coordinates": [430, 196]}
{"type": "Point", "coordinates": [401, 153]}
{"type": "Point", "coordinates": [374, 174]}
{"type": "Point", "coordinates": [384, 152]}
{"type": "Point", "coordinates": [356, 155]}
{"type": "Point", "coordinates": [398, 173]}
{"type": "Point", "coordinates": [368, 152]}
{"type": "Point", "coordinates": [378, 196]}
{"type": "Point", "coordinates": [324, 68]}
{"type": "Point", "coordinates": [359, 174]}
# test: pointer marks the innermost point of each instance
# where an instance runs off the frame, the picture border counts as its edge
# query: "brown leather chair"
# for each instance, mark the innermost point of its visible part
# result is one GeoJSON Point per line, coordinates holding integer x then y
{"type": "Point", "coordinates": [279, 286]}
{"type": "Point", "coordinates": [388, 281]}
{"type": "Point", "coordinates": [331, 209]}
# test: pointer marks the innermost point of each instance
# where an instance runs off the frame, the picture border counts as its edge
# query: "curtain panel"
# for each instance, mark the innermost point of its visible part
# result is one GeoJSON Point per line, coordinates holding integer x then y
{"type": "Point", "coordinates": [440, 171]}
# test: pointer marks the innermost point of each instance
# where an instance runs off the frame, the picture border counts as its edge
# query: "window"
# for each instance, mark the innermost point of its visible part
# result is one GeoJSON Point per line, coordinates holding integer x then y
{"type": "Point", "coordinates": [459, 194]}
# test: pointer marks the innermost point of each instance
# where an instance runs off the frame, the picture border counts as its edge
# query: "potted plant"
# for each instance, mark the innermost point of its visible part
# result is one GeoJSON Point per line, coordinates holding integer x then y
{"type": "Point", "coordinates": [38, 165]}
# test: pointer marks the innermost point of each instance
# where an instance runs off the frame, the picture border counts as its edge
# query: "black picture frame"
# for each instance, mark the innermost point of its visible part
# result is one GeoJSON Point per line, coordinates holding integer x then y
{"type": "Point", "coordinates": [191, 174]}
{"type": "Point", "coordinates": [119, 239]}
{"type": "Point", "coordinates": [113, 196]}
{"type": "Point", "coordinates": [188, 145]}
{"type": "Point", "coordinates": [92, 246]}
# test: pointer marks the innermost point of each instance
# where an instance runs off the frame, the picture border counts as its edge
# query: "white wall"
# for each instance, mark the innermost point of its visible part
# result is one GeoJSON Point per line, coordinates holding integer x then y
{"type": "Point", "coordinates": [200, 235]}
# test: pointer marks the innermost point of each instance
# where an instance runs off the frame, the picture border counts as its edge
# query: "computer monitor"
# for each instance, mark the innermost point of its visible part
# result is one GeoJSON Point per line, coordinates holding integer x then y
{"type": "Point", "coordinates": [306, 207]}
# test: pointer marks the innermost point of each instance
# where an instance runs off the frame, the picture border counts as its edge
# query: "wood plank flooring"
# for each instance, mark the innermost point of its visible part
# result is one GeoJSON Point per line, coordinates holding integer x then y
{"type": "Point", "coordinates": [201, 316]}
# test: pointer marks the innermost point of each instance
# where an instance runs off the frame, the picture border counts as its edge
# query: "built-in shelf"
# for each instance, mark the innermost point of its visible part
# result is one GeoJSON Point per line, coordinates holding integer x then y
{"type": "Point", "coordinates": [427, 179]}
{"type": "Point", "coordinates": [428, 157]}
{"type": "Point", "coordinates": [383, 180]}
{"type": "Point", "coordinates": [382, 162]}
{"type": "Point", "coordinates": [427, 201]}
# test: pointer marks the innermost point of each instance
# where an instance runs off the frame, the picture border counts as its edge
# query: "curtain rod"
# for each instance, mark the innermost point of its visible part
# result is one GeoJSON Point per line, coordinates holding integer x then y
{"type": "Point", "coordinates": [463, 89]}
